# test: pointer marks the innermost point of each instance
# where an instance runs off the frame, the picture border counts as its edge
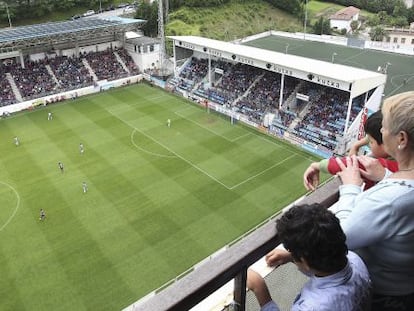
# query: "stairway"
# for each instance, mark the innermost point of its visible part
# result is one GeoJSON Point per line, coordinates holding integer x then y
{"type": "Point", "coordinates": [121, 62]}
{"type": "Point", "coordinates": [91, 72]}
{"type": "Point", "coordinates": [248, 89]}
{"type": "Point", "coordinates": [14, 87]}
{"type": "Point", "coordinates": [52, 74]}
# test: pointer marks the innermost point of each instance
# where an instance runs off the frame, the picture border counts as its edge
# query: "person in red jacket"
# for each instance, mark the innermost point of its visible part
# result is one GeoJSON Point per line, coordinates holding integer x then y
{"type": "Point", "coordinates": [378, 157]}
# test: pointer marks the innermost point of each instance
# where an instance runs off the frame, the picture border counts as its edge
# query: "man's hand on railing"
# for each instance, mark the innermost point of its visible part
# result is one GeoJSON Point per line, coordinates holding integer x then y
{"type": "Point", "coordinates": [278, 257]}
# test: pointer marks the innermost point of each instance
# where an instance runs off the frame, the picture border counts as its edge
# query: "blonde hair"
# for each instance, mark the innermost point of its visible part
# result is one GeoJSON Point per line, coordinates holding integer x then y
{"type": "Point", "coordinates": [400, 114]}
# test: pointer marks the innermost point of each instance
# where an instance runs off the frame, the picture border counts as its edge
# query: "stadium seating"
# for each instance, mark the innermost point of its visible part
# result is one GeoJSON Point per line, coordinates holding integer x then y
{"type": "Point", "coordinates": [6, 93]}
{"type": "Point", "coordinates": [255, 92]}
{"type": "Point", "coordinates": [105, 65]}
{"type": "Point", "coordinates": [52, 75]}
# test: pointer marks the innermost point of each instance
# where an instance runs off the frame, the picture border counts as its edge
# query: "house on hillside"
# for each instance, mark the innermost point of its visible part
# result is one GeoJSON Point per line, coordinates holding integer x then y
{"type": "Point", "coordinates": [400, 36]}
{"type": "Point", "coordinates": [343, 18]}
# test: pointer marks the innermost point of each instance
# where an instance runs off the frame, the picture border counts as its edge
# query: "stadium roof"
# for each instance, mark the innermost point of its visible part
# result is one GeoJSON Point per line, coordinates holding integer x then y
{"type": "Point", "coordinates": [20, 37]}
{"type": "Point", "coordinates": [347, 78]}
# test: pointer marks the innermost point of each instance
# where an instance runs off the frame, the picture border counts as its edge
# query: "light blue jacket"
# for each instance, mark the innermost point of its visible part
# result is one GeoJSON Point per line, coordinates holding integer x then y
{"type": "Point", "coordinates": [379, 226]}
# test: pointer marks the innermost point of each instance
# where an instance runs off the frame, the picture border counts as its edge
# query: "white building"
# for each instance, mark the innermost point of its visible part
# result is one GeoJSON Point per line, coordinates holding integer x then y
{"type": "Point", "coordinates": [343, 18]}
{"type": "Point", "coordinates": [409, 3]}
{"type": "Point", "coordinates": [400, 36]}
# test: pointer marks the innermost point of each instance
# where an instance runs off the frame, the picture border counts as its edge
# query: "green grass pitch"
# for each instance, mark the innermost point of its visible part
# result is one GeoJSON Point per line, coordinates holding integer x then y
{"type": "Point", "coordinates": [159, 199]}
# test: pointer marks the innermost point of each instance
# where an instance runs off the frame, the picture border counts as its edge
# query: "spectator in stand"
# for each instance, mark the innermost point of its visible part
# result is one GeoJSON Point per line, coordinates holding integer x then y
{"type": "Point", "coordinates": [379, 223]}
{"type": "Point", "coordinates": [384, 165]}
{"type": "Point", "coordinates": [338, 279]}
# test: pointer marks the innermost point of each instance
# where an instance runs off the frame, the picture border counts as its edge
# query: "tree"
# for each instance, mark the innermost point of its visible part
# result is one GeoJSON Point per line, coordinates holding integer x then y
{"type": "Point", "coordinates": [400, 21]}
{"type": "Point", "coordinates": [149, 12]}
{"type": "Point", "coordinates": [410, 15]}
{"type": "Point", "coordinates": [354, 26]}
{"type": "Point", "coordinates": [377, 33]}
{"type": "Point", "coordinates": [294, 7]}
{"type": "Point", "coordinates": [322, 26]}
{"type": "Point", "coordinates": [382, 16]}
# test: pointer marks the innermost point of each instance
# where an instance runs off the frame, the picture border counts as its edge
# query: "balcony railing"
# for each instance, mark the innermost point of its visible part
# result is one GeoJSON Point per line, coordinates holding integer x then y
{"type": "Point", "coordinates": [230, 264]}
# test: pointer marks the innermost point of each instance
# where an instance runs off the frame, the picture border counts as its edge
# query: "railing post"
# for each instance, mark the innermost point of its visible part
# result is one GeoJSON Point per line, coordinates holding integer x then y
{"type": "Point", "coordinates": [239, 293]}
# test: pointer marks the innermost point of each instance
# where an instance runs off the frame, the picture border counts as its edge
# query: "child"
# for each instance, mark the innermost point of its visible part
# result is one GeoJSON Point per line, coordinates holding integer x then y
{"type": "Point", "coordinates": [338, 278]}
{"type": "Point", "coordinates": [372, 129]}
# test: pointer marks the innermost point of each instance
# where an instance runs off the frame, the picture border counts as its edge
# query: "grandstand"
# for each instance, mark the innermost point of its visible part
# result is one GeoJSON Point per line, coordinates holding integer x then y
{"type": "Point", "coordinates": [40, 61]}
{"type": "Point", "coordinates": [309, 102]}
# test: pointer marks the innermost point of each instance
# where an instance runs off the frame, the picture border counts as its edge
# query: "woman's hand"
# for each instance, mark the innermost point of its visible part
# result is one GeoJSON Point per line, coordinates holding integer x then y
{"type": "Point", "coordinates": [350, 174]}
{"type": "Point", "coordinates": [372, 168]}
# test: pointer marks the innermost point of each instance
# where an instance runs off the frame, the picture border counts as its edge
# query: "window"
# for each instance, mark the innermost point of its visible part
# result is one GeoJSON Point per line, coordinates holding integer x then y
{"type": "Point", "coordinates": [402, 40]}
{"type": "Point", "coordinates": [412, 41]}
{"type": "Point", "coordinates": [395, 40]}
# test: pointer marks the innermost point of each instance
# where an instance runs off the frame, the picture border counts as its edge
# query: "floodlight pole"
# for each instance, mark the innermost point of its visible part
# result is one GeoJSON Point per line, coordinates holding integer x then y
{"type": "Point", "coordinates": [100, 6]}
{"type": "Point", "coordinates": [287, 46]}
{"type": "Point", "coordinates": [333, 57]}
{"type": "Point", "coordinates": [306, 20]}
{"type": "Point", "coordinates": [8, 14]}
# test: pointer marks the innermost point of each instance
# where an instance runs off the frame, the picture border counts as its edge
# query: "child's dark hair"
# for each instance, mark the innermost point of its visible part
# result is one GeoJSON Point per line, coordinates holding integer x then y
{"type": "Point", "coordinates": [313, 233]}
{"type": "Point", "coordinates": [373, 126]}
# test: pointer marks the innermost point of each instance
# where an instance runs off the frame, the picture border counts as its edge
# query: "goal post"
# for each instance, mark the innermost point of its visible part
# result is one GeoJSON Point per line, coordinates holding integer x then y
{"type": "Point", "coordinates": [228, 114]}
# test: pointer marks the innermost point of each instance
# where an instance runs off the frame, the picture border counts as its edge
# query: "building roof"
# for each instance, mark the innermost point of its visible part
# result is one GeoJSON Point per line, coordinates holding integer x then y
{"type": "Point", "coordinates": [346, 13]}
{"type": "Point", "coordinates": [142, 40]}
{"type": "Point", "coordinates": [15, 37]}
{"type": "Point", "coordinates": [347, 78]}
{"type": "Point", "coordinates": [403, 31]}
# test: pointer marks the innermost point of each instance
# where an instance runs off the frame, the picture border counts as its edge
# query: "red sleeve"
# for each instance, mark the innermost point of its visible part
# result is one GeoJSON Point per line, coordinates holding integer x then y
{"type": "Point", "coordinates": [334, 168]}
{"type": "Point", "coordinates": [389, 164]}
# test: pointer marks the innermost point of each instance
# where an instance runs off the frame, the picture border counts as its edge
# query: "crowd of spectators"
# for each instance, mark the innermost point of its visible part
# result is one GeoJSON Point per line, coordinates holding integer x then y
{"type": "Point", "coordinates": [34, 80]}
{"type": "Point", "coordinates": [6, 93]}
{"type": "Point", "coordinates": [128, 61]}
{"type": "Point", "coordinates": [55, 74]}
{"type": "Point", "coordinates": [105, 65]}
{"type": "Point", "coordinates": [70, 72]}
{"type": "Point", "coordinates": [195, 70]}
{"type": "Point", "coordinates": [264, 96]}
{"type": "Point", "coordinates": [255, 92]}
{"type": "Point", "coordinates": [325, 119]}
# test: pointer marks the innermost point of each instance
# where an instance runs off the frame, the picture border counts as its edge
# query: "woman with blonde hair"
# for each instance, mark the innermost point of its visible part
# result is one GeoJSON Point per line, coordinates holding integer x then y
{"type": "Point", "coordinates": [379, 222]}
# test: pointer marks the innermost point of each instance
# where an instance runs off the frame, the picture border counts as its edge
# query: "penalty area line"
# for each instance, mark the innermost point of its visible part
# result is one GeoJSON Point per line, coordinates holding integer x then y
{"type": "Point", "coordinates": [210, 130]}
{"type": "Point", "coordinates": [262, 172]}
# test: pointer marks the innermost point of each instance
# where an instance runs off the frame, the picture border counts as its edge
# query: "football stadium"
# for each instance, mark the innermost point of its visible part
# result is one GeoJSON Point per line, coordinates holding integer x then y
{"type": "Point", "coordinates": [123, 188]}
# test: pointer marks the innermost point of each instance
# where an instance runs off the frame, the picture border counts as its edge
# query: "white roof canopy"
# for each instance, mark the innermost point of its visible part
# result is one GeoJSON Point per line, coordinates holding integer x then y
{"type": "Point", "coordinates": [354, 80]}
